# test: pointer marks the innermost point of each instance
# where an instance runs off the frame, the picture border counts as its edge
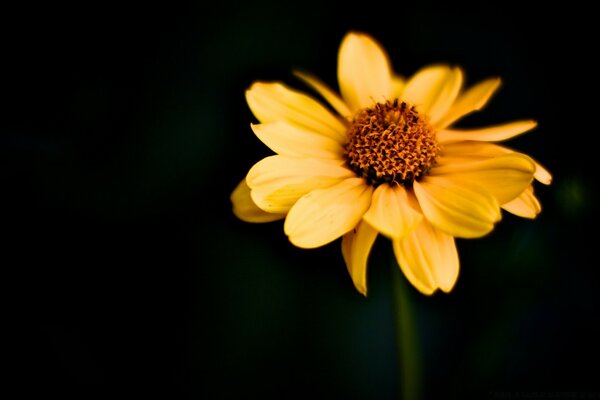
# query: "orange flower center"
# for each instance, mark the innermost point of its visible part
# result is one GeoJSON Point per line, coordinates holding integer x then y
{"type": "Point", "coordinates": [391, 142]}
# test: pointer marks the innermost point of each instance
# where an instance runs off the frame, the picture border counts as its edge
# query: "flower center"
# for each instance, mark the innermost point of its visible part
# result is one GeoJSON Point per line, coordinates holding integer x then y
{"type": "Point", "coordinates": [391, 142]}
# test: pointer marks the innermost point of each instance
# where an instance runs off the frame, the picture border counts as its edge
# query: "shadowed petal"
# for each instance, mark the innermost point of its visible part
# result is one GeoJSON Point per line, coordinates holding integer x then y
{"type": "Point", "coordinates": [356, 246]}
{"type": "Point", "coordinates": [245, 209]}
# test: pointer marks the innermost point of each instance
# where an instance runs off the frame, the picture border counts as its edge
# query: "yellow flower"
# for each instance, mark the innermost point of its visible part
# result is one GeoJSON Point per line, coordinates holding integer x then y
{"type": "Point", "coordinates": [384, 158]}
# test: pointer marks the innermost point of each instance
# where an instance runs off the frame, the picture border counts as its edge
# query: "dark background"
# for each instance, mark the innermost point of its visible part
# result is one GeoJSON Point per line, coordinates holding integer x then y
{"type": "Point", "coordinates": [125, 129]}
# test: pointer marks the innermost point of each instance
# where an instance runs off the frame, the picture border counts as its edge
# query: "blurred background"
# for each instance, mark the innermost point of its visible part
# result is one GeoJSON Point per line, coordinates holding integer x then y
{"type": "Point", "coordinates": [125, 129]}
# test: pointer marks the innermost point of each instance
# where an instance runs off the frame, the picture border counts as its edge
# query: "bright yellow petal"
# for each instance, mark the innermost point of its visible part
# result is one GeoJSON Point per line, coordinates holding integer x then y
{"type": "Point", "coordinates": [447, 265]}
{"type": "Point", "coordinates": [277, 182]}
{"type": "Point", "coordinates": [291, 140]}
{"type": "Point", "coordinates": [391, 212]}
{"type": "Point", "coordinates": [542, 175]}
{"type": "Point", "coordinates": [356, 246]}
{"type": "Point", "coordinates": [324, 215]}
{"type": "Point", "coordinates": [466, 151]}
{"type": "Point", "coordinates": [470, 151]}
{"type": "Point", "coordinates": [364, 72]}
{"type": "Point", "coordinates": [433, 90]}
{"type": "Point", "coordinates": [428, 258]}
{"type": "Point", "coordinates": [471, 100]}
{"type": "Point", "coordinates": [490, 134]}
{"type": "Point", "coordinates": [413, 261]}
{"type": "Point", "coordinates": [461, 209]}
{"type": "Point", "coordinates": [505, 176]}
{"type": "Point", "coordinates": [398, 85]}
{"type": "Point", "coordinates": [245, 209]}
{"type": "Point", "coordinates": [328, 94]}
{"type": "Point", "coordinates": [526, 205]}
{"type": "Point", "coordinates": [273, 101]}
{"type": "Point", "coordinates": [448, 92]}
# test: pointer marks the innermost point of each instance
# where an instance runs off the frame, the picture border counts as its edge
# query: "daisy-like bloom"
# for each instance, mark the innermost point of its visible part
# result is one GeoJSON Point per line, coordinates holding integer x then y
{"type": "Point", "coordinates": [384, 158]}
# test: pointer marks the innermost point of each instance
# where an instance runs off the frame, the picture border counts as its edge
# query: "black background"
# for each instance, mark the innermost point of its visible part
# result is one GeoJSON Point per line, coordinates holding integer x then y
{"type": "Point", "coordinates": [127, 275]}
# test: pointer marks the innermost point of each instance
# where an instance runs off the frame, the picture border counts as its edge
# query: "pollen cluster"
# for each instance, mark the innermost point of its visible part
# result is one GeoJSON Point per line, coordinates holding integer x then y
{"type": "Point", "coordinates": [391, 142]}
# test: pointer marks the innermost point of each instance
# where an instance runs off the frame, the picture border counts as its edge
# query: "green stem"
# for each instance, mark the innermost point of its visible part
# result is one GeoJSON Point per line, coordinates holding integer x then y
{"type": "Point", "coordinates": [407, 341]}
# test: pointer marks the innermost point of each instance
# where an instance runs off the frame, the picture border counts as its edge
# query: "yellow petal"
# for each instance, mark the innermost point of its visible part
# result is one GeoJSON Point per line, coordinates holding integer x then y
{"type": "Point", "coordinates": [466, 151]}
{"type": "Point", "coordinates": [470, 151]}
{"type": "Point", "coordinates": [461, 209]}
{"type": "Point", "coordinates": [277, 182]}
{"type": "Point", "coordinates": [356, 246]}
{"type": "Point", "coordinates": [274, 101]}
{"type": "Point", "coordinates": [505, 176]}
{"type": "Point", "coordinates": [448, 92]}
{"type": "Point", "coordinates": [428, 258]}
{"type": "Point", "coordinates": [364, 72]}
{"type": "Point", "coordinates": [398, 85]}
{"type": "Point", "coordinates": [433, 89]}
{"type": "Point", "coordinates": [471, 100]}
{"type": "Point", "coordinates": [391, 212]}
{"type": "Point", "coordinates": [324, 215]}
{"type": "Point", "coordinates": [291, 140]}
{"type": "Point", "coordinates": [526, 205]}
{"type": "Point", "coordinates": [542, 175]}
{"type": "Point", "coordinates": [490, 134]}
{"type": "Point", "coordinates": [245, 209]}
{"type": "Point", "coordinates": [328, 94]}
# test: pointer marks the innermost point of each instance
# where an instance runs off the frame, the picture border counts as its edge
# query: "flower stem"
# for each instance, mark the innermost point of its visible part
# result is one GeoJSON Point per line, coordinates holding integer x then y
{"type": "Point", "coordinates": [407, 341]}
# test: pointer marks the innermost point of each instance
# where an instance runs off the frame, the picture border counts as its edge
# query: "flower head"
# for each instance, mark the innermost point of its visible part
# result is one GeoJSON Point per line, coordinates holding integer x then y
{"type": "Point", "coordinates": [384, 158]}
